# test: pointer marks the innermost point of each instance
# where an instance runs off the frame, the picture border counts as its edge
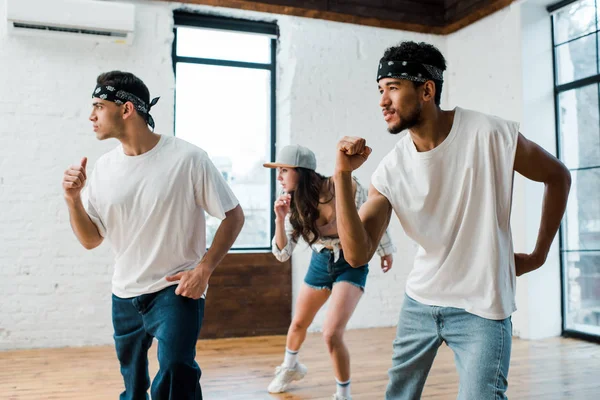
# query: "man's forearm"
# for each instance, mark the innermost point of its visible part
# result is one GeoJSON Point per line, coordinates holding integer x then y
{"type": "Point", "coordinates": [224, 238]}
{"type": "Point", "coordinates": [354, 238]}
{"type": "Point", "coordinates": [83, 227]}
{"type": "Point", "coordinates": [554, 204]}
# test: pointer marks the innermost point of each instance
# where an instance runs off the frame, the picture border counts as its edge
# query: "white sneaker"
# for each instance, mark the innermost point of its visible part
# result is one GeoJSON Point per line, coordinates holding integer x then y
{"type": "Point", "coordinates": [284, 376]}
{"type": "Point", "coordinates": [340, 397]}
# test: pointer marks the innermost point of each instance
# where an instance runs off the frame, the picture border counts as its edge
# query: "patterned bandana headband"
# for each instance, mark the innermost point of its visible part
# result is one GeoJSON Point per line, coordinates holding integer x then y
{"type": "Point", "coordinates": [120, 97]}
{"type": "Point", "coordinates": [412, 71]}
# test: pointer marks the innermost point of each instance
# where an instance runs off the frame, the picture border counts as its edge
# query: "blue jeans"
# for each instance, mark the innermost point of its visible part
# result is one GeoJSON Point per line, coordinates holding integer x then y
{"type": "Point", "coordinates": [481, 351]}
{"type": "Point", "coordinates": [175, 321]}
{"type": "Point", "coordinates": [323, 272]}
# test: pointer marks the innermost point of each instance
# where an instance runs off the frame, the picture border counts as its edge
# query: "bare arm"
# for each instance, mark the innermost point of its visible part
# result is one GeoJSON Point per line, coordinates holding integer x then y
{"type": "Point", "coordinates": [375, 215]}
{"type": "Point", "coordinates": [385, 248]}
{"type": "Point", "coordinates": [224, 238]}
{"type": "Point", "coordinates": [85, 230]}
{"type": "Point", "coordinates": [282, 208]}
{"type": "Point", "coordinates": [193, 283]}
{"type": "Point", "coordinates": [359, 234]}
{"type": "Point", "coordinates": [280, 236]}
{"type": "Point", "coordinates": [83, 227]}
{"type": "Point", "coordinates": [534, 163]}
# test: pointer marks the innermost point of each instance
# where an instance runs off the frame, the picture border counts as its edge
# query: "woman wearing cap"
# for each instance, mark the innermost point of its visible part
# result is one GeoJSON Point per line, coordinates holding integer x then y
{"type": "Point", "coordinates": [306, 210]}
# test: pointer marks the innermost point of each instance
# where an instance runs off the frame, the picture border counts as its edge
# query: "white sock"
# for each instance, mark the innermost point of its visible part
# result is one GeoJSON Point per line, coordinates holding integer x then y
{"type": "Point", "coordinates": [343, 388]}
{"type": "Point", "coordinates": [291, 357]}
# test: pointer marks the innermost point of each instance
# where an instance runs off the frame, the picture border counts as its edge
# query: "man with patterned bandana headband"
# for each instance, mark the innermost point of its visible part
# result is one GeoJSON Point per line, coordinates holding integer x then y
{"type": "Point", "coordinates": [148, 197]}
{"type": "Point", "coordinates": [449, 181]}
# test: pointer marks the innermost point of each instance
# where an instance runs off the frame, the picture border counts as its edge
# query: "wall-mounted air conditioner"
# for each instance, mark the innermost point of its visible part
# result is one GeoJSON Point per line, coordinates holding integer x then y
{"type": "Point", "coordinates": [99, 21]}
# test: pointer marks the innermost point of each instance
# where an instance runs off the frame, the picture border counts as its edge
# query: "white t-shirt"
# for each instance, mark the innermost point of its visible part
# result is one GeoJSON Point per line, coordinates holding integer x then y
{"type": "Point", "coordinates": [454, 201]}
{"type": "Point", "coordinates": [151, 209]}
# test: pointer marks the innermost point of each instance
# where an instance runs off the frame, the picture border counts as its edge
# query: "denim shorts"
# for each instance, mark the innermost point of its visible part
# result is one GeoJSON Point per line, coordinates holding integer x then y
{"type": "Point", "coordinates": [323, 272]}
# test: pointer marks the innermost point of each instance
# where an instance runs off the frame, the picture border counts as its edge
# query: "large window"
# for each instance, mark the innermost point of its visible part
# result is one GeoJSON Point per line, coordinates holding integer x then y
{"type": "Point", "coordinates": [225, 104]}
{"type": "Point", "coordinates": [577, 85]}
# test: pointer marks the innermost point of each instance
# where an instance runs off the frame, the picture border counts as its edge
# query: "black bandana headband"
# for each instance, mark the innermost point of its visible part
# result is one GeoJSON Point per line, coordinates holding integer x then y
{"type": "Point", "coordinates": [120, 97]}
{"type": "Point", "coordinates": [412, 71]}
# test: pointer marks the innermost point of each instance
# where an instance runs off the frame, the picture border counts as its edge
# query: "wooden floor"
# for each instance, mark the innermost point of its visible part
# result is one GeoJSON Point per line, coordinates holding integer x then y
{"type": "Point", "coordinates": [240, 369]}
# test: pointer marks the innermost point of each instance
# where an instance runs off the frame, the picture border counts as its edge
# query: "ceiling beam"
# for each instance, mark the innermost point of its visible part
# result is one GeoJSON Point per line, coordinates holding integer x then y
{"type": "Point", "coordinates": [478, 9]}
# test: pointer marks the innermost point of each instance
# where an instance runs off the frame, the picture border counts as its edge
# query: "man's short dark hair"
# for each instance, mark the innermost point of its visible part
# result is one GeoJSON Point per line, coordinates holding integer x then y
{"type": "Point", "coordinates": [125, 81]}
{"type": "Point", "coordinates": [423, 53]}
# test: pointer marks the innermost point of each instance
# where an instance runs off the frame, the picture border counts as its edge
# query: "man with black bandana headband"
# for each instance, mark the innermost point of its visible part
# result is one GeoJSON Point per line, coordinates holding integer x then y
{"type": "Point", "coordinates": [148, 197]}
{"type": "Point", "coordinates": [449, 182]}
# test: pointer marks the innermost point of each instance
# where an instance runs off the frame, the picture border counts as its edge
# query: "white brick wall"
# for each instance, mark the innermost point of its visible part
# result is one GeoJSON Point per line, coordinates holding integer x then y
{"type": "Point", "coordinates": [55, 293]}
{"type": "Point", "coordinates": [58, 294]}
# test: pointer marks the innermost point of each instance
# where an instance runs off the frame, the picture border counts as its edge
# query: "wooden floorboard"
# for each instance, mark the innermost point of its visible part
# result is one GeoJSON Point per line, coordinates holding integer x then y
{"type": "Point", "coordinates": [240, 369]}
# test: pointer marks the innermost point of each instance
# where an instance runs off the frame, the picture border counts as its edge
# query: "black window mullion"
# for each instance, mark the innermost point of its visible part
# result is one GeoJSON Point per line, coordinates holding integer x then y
{"type": "Point", "coordinates": [273, 129]}
{"type": "Point", "coordinates": [559, 5]}
{"type": "Point", "coordinates": [222, 63]}
{"type": "Point", "coordinates": [576, 84]}
{"type": "Point", "coordinates": [578, 37]}
{"type": "Point", "coordinates": [597, 33]}
{"type": "Point", "coordinates": [191, 20]}
{"type": "Point", "coordinates": [584, 168]}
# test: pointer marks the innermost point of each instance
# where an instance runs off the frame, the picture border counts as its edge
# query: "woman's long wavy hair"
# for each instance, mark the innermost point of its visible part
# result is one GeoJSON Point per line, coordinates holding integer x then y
{"type": "Point", "coordinates": [304, 205]}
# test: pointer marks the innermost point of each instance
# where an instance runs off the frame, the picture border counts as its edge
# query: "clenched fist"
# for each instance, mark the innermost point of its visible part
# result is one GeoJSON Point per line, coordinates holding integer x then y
{"type": "Point", "coordinates": [74, 179]}
{"type": "Point", "coordinates": [352, 153]}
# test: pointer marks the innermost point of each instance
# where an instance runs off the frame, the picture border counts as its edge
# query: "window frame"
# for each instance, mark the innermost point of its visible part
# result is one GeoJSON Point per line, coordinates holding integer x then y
{"type": "Point", "coordinates": [193, 20]}
{"type": "Point", "coordinates": [558, 90]}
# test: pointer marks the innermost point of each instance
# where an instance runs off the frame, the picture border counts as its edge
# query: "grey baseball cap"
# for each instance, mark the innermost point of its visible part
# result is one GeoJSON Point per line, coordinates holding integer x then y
{"type": "Point", "coordinates": [294, 156]}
